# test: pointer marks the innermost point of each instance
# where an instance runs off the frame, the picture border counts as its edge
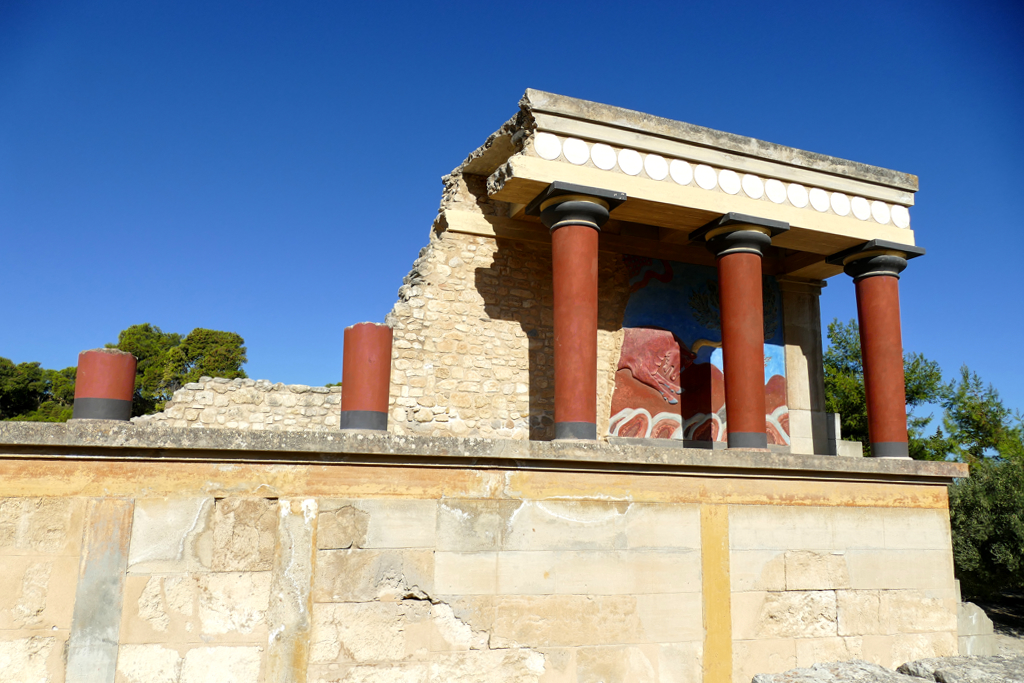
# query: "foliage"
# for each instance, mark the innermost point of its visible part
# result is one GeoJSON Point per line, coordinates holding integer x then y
{"type": "Point", "coordinates": [31, 392]}
{"type": "Point", "coordinates": [844, 389]}
{"type": "Point", "coordinates": [166, 361]}
{"type": "Point", "coordinates": [987, 521]}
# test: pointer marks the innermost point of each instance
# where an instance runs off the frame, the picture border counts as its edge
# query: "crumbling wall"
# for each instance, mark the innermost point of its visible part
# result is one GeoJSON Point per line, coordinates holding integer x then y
{"type": "Point", "coordinates": [249, 404]}
{"type": "Point", "coordinates": [473, 352]}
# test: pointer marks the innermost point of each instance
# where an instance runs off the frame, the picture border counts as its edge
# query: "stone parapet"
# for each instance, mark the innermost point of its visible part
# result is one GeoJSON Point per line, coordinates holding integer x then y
{"type": "Point", "coordinates": [257, 405]}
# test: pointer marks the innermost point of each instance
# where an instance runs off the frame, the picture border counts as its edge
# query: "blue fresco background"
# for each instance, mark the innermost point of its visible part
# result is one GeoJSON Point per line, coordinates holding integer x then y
{"type": "Point", "coordinates": [666, 304]}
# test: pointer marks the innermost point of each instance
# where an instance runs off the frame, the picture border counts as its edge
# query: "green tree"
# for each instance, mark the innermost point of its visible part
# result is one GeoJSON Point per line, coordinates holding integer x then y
{"type": "Point", "coordinates": [210, 353]}
{"type": "Point", "coordinates": [987, 521]}
{"type": "Point", "coordinates": [151, 346]}
{"type": "Point", "coordinates": [844, 389]}
{"type": "Point", "coordinates": [30, 392]}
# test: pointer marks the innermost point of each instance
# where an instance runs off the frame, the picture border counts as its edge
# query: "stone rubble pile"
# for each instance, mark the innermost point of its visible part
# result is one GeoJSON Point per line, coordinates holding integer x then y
{"type": "Point", "coordinates": [249, 404]}
{"type": "Point", "coordinates": [994, 669]}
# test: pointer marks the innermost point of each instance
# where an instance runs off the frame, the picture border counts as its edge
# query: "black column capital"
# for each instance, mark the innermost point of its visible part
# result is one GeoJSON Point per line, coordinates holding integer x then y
{"type": "Point", "coordinates": [876, 257]}
{"type": "Point", "coordinates": [569, 204]}
{"type": "Point", "coordinates": [737, 233]}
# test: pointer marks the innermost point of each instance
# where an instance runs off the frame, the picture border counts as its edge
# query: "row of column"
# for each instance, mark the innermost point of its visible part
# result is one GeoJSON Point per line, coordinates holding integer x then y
{"type": "Point", "coordinates": [575, 214]}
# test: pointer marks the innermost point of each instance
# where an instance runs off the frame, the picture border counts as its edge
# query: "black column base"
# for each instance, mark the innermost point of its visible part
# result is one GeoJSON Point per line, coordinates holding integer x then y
{"type": "Point", "coordinates": [748, 440]}
{"type": "Point", "coordinates": [576, 430]}
{"type": "Point", "coordinates": [101, 409]}
{"type": "Point", "coordinates": [364, 419]}
{"type": "Point", "coordinates": [890, 449]}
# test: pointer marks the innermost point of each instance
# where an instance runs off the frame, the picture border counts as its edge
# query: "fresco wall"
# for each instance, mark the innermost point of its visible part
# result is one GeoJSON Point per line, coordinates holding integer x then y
{"type": "Point", "coordinates": [669, 382]}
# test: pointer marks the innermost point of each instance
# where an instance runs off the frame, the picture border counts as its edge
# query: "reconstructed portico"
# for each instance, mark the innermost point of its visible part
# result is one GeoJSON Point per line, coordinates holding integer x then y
{"type": "Point", "coordinates": [589, 444]}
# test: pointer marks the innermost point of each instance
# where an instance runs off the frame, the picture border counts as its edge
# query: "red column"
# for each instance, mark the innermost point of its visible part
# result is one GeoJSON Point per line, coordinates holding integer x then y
{"type": "Point", "coordinates": [739, 291]}
{"type": "Point", "coordinates": [574, 214]}
{"type": "Point", "coordinates": [574, 271]}
{"type": "Point", "coordinates": [878, 312]}
{"type": "Point", "coordinates": [366, 377]}
{"type": "Point", "coordinates": [104, 385]}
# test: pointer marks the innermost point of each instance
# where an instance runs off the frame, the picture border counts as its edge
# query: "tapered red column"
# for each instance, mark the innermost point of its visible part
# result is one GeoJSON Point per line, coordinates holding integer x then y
{"type": "Point", "coordinates": [738, 242]}
{"type": "Point", "coordinates": [104, 385]}
{"type": "Point", "coordinates": [574, 271]}
{"type": "Point", "coordinates": [366, 377]}
{"type": "Point", "coordinates": [575, 214]}
{"type": "Point", "coordinates": [875, 268]}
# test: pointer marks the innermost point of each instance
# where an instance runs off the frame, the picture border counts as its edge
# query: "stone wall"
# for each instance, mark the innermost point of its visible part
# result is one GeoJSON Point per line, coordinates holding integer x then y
{"type": "Point", "coordinates": [451, 560]}
{"type": "Point", "coordinates": [473, 352]}
{"type": "Point", "coordinates": [249, 404]}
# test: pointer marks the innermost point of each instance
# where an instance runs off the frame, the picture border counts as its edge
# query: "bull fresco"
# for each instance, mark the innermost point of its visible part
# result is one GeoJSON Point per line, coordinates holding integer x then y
{"type": "Point", "coordinates": [669, 382]}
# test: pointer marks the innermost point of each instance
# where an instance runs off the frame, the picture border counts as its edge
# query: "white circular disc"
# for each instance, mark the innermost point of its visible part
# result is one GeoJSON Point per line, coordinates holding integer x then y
{"type": "Point", "coordinates": [705, 176]}
{"type": "Point", "coordinates": [861, 208]}
{"type": "Point", "coordinates": [603, 156]}
{"type": "Point", "coordinates": [775, 190]}
{"type": "Point", "coordinates": [630, 161]}
{"type": "Point", "coordinates": [880, 212]}
{"type": "Point", "coordinates": [729, 181]}
{"type": "Point", "coordinates": [547, 146]}
{"type": "Point", "coordinates": [680, 172]}
{"type": "Point", "coordinates": [819, 199]}
{"type": "Point", "coordinates": [900, 216]}
{"type": "Point", "coordinates": [797, 194]}
{"type": "Point", "coordinates": [840, 204]}
{"type": "Point", "coordinates": [656, 166]}
{"type": "Point", "coordinates": [576, 151]}
{"type": "Point", "coordinates": [752, 186]}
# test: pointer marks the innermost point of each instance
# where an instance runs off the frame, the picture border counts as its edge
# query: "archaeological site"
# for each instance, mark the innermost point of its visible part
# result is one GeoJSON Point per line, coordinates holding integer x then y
{"type": "Point", "coordinates": [588, 444]}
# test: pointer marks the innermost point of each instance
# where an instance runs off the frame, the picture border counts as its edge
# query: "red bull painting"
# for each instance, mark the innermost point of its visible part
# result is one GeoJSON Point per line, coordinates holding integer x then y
{"type": "Point", "coordinates": [669, 382]}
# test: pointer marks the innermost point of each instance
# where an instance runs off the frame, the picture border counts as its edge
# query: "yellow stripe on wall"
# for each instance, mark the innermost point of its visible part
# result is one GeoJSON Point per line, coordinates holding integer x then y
{"type": "Point", "coordinates": [714, 551]}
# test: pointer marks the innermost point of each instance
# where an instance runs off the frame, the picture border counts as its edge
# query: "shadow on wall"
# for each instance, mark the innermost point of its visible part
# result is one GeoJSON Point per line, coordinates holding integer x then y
{"type": "Point", "coordinates": [517, 287]}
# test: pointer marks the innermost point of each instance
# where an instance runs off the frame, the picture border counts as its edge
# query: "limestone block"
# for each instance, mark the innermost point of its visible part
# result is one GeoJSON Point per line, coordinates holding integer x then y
{"type": "Point", "coordinates": [164, 533]}
{"type": "Point", "coordinates": [618, 663]}
{"type": "Point", "coordinates": [222, 665]}
{"type": "Point", "coordinates": [757, 570]}
{"type": "Point", "coordinates": [790, 614]}
{"type": "Point", "coordinates": [671, 618]}
{"type": "Point", "coordinates": [765, 656]}
{"type": "Point", "coordinates": [567, 525]}
{"type": "Point", "coordinates": [465, 573]}
{"type": "Point", "coordinates": [160, 609]}
{"type": "Point", "coordinates": [909, 611]}
{"type": "Point", "coordinates": [768, 527]}
{"type": "Point", "coordinates": [41, 526]}
{"type": "Point", "coordinates": [900, 569]}
{"type": "Point", "coordinates": [33, 659]}
{"type": "Point", "coordinates": [366, 632]}
{"type": "Point", "coordinates": [364, 575]}
{"type": "Point", "coordinates": [595, 572]}
{"type": "Point", "coordinates": [815, 650]}
{"type": "Point", "coordinates": [450, 632]}
{"type": "Point", "coordinates": [150, 663]}
{"type": "Point", "coordinates": [343, 527]}
{"type": "Point", "coordinates": [234, 603]}
{"type": "Point", "coordinates": [567, 620]}
{"type": "Point", "coordinates": [907, 647]}
{"type": "Point", "coordinates": [858, 612]}
{"type": "Point", "coordinates": [917, 529]}
{"type": "Point", "coordinates": [559, 665]}
{"type": "Point", "coordinates": [975, 631]}
{"type": "Point", "coordinates": [680, 662]}
{"type": "Point", "coordinates": [809, 570]}
{"type": "Point", "coordinates": [514, 665]}
{"type": "Point", "coordinates": [290, 603]}
{"type": "Point", "coordinates": [654, 525]}
{"type": "Point", "coordinates": [860, 527]}
{"type": "Point", "coordinates": [37, 591]}
{"type": "Point", "coordinates": [243, 535]}
{"type": "Point", "coordinates": [397, 523]}
{"type": "Point", "coordinates": [472, 525]}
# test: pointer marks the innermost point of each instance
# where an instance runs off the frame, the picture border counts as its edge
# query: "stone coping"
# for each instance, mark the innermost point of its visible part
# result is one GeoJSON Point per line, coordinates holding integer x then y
{"type": "Point", "coordinates": [121, 441]}
{"type": "Point", "coordinates": [540, 101]}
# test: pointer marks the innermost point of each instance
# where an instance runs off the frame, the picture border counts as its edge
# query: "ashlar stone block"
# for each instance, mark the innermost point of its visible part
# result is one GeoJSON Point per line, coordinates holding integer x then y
{"type": "Point", "coordinates": [809, 570]}
{"type": "Point", "coordinates": [567, 525]}
{"type": "Point", "coordinates": [790, 614]}
{"type": "Point", "coordinates": [357, 575]}
{"type": "Point", "coordinates": [164, 534]}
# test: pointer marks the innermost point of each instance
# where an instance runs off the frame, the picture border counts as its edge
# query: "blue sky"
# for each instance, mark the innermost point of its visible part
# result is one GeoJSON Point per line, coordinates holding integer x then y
{"type": "Point", "coordinates": [273, 168]}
